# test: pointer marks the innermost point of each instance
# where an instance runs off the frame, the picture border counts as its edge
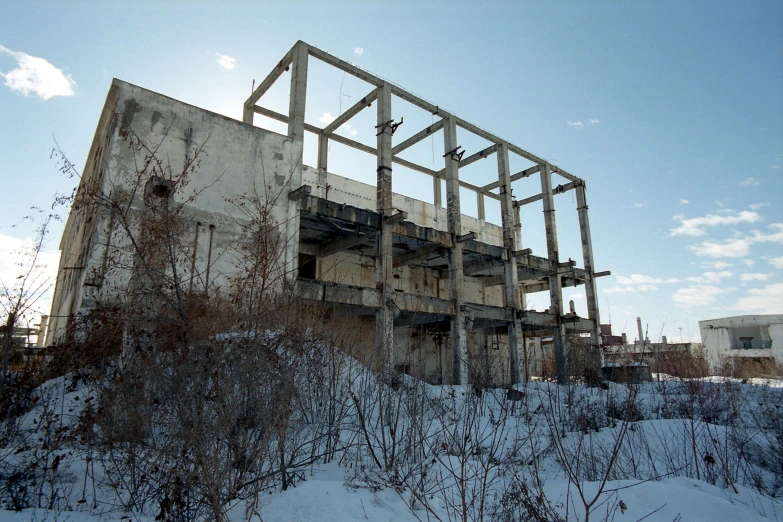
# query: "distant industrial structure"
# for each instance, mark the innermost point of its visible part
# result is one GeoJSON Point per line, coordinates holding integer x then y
{"type": "Point", "coordinates": [744, 345]}
{"type": "Point", "coordinates": [438, 291]}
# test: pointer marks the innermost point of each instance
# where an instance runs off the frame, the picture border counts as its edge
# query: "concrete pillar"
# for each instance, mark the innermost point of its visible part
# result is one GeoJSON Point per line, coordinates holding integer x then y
{"type": "Point", "coordinates": [459, 345]}
{"type": "Point", "coordinates": [587, 255]}
{"type": "Point", "coordinates": [555, 284]}
{"type": "Point", "coordinates": [296, 115]}
{"type": "Point", "coordinates": [384, 319]}
{"type": "Point", "coordinates": [323, 156]}
{"type": "Point", "coordinates": [510, 282]}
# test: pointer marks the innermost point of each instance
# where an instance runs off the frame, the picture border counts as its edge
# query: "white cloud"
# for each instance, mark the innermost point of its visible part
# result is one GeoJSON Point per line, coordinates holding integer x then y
{"type": "Point", "coordinates": [756, 206]}
{"type": "Point", "coordinates": [582, 124]}
{"type": "Point", "coordinates": [774, 237]}
{"type": "Point", "coordinates": [774, 167]}
{"type": "Point", "coordinates": [748, 262]}
{"type": "Point", "coordinates": [747, 277]}
{"type": "Point", "coordinates": [766, 300]}
{"type": "Point", "coordinates": [777, 262]}
{"type": "Point", "coordinates": [716, 265]}
{"type": "Point", "coordinates": [36, 76]}
{"type": "Point", "coordinates": [226, 62]}
{"type": "Point", "coordinates": [710, 277]}
{"type": "Point", "coordinates": [346, 128]}
{"type": "Point", "coordinates": [638, 283]}
{"type": "Point", "coordinates": [635, 279]}
{"type": "Point", "coordinates": [358, 51]}
{"type": "Point", "coordinates": [684, 201]}
{"type": "Point", "coordinates": [636, 204]}
{"type": "Point", "coordinates": [697, 295]}
{"type": "Point", "coordinates": [750, 182]}
{"type": "Point", "coordinates": [697, 226]}
{"type": "Point", "coordinates": [729, 248]}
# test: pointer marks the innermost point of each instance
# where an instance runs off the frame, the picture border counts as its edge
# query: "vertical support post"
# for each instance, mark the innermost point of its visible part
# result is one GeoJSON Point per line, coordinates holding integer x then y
{"type": "Point", "coordinates": [459, 351]}
{"type": "Point", "coordinates": [247, 114]}
{"type": "Point", "coordinates": [555, 284]}
{"type": "Point", "coordinates": [438, 196]}
{"type": "Point", "coordinates": [587, 255]}
{"type": "Point", "coordinates": [482, 213]}
{"type": "Point", "coordinates": [296, 114]}
{"type": "Point", "coordinates": [510, 279]}
{"type": "Point", "coordinates": [384, 318]}
{"type": "Point", "coordinates": [323, 156]}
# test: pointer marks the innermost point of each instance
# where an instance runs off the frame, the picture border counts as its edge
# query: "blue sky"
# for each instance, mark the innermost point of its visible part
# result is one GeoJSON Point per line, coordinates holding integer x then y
{"type": "Point", "coordinates": [671, 111]}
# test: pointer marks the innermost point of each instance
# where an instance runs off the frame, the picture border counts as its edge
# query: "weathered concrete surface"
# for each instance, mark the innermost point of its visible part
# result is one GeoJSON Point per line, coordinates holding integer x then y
{"type": "Point", "coordinates": [740, 337]}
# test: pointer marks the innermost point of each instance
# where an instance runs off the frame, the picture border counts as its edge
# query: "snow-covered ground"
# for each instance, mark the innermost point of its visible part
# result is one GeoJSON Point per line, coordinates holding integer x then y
{"type": "Point", "coordinates": [668, 450]}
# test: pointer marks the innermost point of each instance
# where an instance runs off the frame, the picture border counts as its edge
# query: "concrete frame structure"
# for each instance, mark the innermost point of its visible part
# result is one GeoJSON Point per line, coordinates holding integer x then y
{"type": "Point", "coordinates": [510, 256]}
{"type": "Point", "coordinates": [453, 274]}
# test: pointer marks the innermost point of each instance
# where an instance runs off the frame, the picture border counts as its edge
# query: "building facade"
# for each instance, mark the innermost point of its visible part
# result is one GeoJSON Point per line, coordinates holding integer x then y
{"type": "Point", "coordinates": [744, 345]}
{"type": "Point", "coordinates": [437, 290]}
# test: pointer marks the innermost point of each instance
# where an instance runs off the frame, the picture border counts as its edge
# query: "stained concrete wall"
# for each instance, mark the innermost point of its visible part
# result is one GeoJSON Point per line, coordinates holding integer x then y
{"type": "Point", "coordinates": [240, 160]}
{"type": "Point", "coordinates": [721, 338]}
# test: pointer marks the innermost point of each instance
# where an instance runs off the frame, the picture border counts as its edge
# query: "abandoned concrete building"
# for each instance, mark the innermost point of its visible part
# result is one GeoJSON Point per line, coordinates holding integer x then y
{"type": "Point", "coordinates": [744, 345]}
{"type": "Point", "coordinates": [433, 288]}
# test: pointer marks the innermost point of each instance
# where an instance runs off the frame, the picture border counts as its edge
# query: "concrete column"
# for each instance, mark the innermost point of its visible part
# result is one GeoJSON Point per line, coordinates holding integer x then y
{"type": "Point", "coordinates": [296, 113]}
{"type": "Point", "coordinates": [384, 319]}
{"type": "Point", "coordinates": [555, 284]}
{"type": "Point", "coordinates": [511, 296]}
{"type": "Point", "coordinates": [459, 351]}
{"type": "Point", "coordinates": [323, 156]}
{"type": "Point", "coordinates": [587, 254]}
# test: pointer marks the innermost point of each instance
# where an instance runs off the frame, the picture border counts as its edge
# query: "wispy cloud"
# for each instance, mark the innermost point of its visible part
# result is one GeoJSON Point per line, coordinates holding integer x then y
{"type": "Point", "coordinates": [358, 51]}
{"type": "Point", "coordinates": [346, 128]}
{"type": "Point", "coordinates": [729, 248]}
{"type": "Point", "coordinates": [226, 62]}
{"type": "Point", "coordinates": [766, 300]}
{"type": "Point", "coordinates": [697, 295]}
{"type": "Point", "coordinates": [697, 226]}
{"type": "Point", "coordinates": [748, 262]}
{"type": "Point", "coordinates": [716, 265]}
{"type": "Point", "coordinates": [684, 201]}
{"type": "Point", "coordinates": [777, 262]}
{"type": "Point", "coordinates": [747, 277]}
{"type": "Point", "coordinates": [635, 204]}
{"type": "Point", "coordinates": [773, 237]}
{"type": "Point", "coordinates": [36, 76]}
{"type": "Point", "coordinates": [750, 182]}
{"type": "Point", "coordinates": [710, 277]}
{"type": "Point", "coordinates": [774, 167]}
{"type": "Point", "coordinates": [582, 124]}
{"type": "Point", "coordinates": [638, 283]}
{"type": "Point", "coordinates": [756, 206]}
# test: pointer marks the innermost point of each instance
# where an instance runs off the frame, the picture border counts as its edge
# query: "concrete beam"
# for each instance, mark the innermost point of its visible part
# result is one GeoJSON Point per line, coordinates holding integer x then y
{"type": "Point", "coordinates": [355, 109]}
{"type": "Point", "coordinates": [384, 263]}
{"type": "Point", "coordinates": [264, 86]}
{"type": "Point", "coordinates": [555, 288]}
{"type": "Point", "coordinates": [514, 177]}
{"type": "Point", "coordinates": [435, 127]}
{"type": "Point", "coordinates": [420, 254]}
{"type": "Point", "coordinates": [458, 338]}
{"type": "Point", "coordinates": [560, 189]}
{"type": "Point", "coordinates": [511, 283]}
{"type": "Point", "coordinates": [591, 293]}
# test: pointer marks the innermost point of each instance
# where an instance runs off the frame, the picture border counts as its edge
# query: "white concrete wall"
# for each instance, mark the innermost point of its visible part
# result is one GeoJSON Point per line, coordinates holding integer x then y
{"type": "Point", "coordinates": [721, 337]}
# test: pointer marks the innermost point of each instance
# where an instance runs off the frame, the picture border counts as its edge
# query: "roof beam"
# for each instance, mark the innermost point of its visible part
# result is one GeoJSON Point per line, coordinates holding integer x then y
{"type": "Point", "coordinates": [514, 177]}
{"type": "Point", "coordinates": [560, 189]}
{"type": "Point", "coordinates": [350, 113]}
{"type": "Point", "coordinates": [272, 77]}
{"type": "Point", "coordinates": [345, 66]}
{"type": "Point", "coordinates": [435, 127]}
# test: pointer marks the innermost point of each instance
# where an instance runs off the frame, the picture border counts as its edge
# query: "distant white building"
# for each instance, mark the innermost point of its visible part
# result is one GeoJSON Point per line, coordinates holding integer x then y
{"type": "Point", "coordinates": [747, 344]}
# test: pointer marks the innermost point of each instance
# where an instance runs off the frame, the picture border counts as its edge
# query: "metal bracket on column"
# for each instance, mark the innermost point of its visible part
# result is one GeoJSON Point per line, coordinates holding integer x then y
{"type": "Point", "coordinates": [454, 154]}
{"type": "Point", "coordinates": [389, 125]}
